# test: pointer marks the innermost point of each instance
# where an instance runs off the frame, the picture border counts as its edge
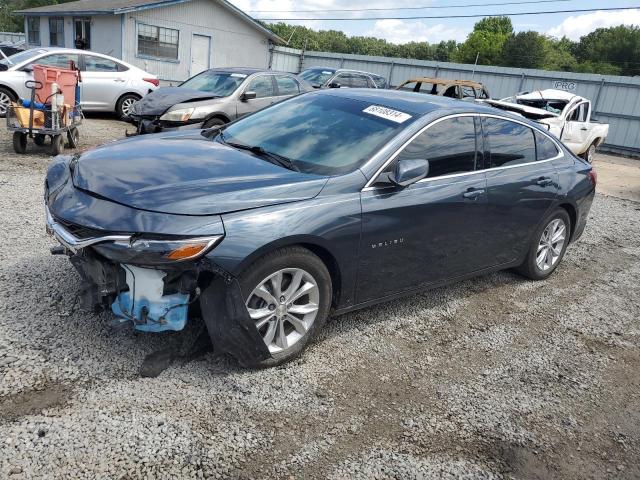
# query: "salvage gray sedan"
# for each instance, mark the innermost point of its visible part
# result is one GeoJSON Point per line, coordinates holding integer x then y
{"type": "Point", "coordinates": [214, 97]}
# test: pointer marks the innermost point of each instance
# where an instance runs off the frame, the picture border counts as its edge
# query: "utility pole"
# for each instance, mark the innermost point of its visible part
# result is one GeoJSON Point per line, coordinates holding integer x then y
{"type": "Point", "coordinates": [475, 64]}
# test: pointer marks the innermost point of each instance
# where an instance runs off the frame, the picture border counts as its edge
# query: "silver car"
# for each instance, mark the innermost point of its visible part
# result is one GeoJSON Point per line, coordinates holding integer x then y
{"type": "Point", "coordinates": [214, 97]}
{"type": "Point", "coordinates": [108, 84]}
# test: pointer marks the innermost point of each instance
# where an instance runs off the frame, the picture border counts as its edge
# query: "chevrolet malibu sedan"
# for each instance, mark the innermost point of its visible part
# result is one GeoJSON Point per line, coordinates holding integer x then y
{"type": "Point", "coordinates": [324, 203]}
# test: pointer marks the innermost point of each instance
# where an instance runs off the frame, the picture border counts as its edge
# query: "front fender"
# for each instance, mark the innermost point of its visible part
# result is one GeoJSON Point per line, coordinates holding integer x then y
{"type": "Point", "coordinates": [329, 222]}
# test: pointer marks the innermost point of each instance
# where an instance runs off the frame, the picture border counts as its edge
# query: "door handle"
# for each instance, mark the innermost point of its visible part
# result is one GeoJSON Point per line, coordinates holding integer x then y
{"type": "Point", "coordinates": [544, 181]}
{"type": "Point", "coordinates": [119, 80]}
{"type": "Point", "coordinates": [584, 129]}
{"type": "Point", "coordinates": [473, 193]}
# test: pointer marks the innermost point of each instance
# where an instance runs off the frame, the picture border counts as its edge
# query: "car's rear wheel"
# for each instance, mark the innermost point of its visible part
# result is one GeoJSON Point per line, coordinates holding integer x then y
{"type": "Point", "coordinates": [6, 97]}
{"type": "Point", "coordinates": [548, 246]}
{"type": "Point", "coordinates": [288, 296]}
{"type": "Point", "coordinates": [124, 107]}
{"type": "Point", "coordinates": [590, 153]}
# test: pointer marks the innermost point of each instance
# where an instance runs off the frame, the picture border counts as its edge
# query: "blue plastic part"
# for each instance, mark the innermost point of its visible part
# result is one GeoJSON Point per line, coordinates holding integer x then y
{"type": "Point", "coordinates": [167, 313]}
{"type": "Point", "coordinates": [27, 104]}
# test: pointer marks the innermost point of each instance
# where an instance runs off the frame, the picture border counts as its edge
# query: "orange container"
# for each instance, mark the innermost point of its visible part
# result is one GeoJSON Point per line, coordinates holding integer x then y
{"type": "Point", "coordinates": [65, 78]}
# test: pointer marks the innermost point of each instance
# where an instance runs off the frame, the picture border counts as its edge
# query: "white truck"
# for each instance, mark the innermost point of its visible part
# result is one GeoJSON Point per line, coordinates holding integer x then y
{"type": "Point", "coordinates": [564, 114]}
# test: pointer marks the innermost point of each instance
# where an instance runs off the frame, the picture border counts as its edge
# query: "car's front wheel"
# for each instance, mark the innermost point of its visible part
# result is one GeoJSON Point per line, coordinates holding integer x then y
{"type": "Point", "coordinates": [288, 296]}
{"type": "Point", "coordinates": [547, 246]}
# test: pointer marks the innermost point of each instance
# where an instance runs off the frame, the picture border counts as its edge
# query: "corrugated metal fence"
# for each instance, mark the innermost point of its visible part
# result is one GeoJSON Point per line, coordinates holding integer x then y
{"type": "Point", "coordinates": [616, 100]}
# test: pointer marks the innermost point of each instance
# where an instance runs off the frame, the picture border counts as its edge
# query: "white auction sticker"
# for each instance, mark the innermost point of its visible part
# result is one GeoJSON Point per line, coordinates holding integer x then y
{"type": "Point", "coordinates": [387, 113]}
{"type": "Point", "coordinates": [238, 75]}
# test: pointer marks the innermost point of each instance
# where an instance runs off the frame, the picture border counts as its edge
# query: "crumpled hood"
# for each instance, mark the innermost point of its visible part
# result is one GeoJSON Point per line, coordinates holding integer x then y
{"type": "Point", "coordinates": [159, 101]}
{"type": "Point", "coordinates": [188, 174]}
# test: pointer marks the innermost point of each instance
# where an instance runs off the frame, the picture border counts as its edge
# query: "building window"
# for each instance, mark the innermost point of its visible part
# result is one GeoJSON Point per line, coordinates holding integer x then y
{"type": "Point", "coordinates": [33, 30]}
{"type": "Point", "coordinates": [157, 42]}
{"type": "Point", "coordinates": [56, 32]}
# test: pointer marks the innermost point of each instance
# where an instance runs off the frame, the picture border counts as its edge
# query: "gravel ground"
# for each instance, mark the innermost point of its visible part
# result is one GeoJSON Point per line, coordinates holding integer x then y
{"type": "Point", "coordinates": [496, 377]}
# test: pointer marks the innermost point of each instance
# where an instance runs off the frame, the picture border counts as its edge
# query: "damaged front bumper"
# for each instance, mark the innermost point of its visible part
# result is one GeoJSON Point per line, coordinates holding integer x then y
{"type": "Point", "coordinates": [162, 297]}
{"type": "Point", "coordinates": [146, 124]}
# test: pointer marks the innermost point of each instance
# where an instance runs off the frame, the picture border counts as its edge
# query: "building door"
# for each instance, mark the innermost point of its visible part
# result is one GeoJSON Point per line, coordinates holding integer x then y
{"type": "Point", "coordinates": [200, 54]}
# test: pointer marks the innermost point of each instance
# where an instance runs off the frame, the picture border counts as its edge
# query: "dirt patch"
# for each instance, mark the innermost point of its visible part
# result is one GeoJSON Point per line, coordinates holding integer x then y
{"type": "Point", "coordinates": [33, 402]}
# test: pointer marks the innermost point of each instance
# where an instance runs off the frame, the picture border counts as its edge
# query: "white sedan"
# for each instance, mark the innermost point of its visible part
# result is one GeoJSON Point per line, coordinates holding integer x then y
{"type": "Point", "coordinates": [108, 84]}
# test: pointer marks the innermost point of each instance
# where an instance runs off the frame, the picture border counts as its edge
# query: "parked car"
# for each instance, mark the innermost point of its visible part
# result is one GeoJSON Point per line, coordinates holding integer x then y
{"type": "Point", "coordinates": [564, 114]}
{"type": "Point", "coordinates": [214, 97]}
{"type": "Point", "coordinates": [445, 87]}
{"type": "Point", "coordinates": [324, 203]}
{"type": "Point", "coordinates": [324, 77]}
{"type": "Point", "coordinates": [108, 84]}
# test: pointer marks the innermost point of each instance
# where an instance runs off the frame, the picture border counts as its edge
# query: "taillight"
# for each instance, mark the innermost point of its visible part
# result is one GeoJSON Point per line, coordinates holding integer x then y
{"type": "Point", "coordinates": [155, 81]}
{"type": "Point", "coordinates": [593, 176]}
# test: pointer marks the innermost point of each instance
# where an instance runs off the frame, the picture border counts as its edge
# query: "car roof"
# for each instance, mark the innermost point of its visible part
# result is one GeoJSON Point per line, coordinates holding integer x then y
{"type": "Point", "coordinates": [416, 103]}
{"type": "Point", "coordinates": [248, 70]}
{"type": "Point", "coordinates": [443, 81]}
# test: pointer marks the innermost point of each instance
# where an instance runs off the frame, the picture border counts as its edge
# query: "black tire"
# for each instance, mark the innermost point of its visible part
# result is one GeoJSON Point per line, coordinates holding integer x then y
{"type": "Point", "coordinates": [57, 144]}
{"type": "Point", "coordinates": [123, 103]}
{"type": "Point", "coordinates": [291, 257]}
{"type": "Point", "coordinates": [590, 152]}
{"type": "Point", "coordinates": [214, 122]}
{"type": "Point", "coordinates": [6, 97]}
{"type": "Point", "coordinates": [39, 139]}
{"type": "Point", "coordinates": [19, 142]}
{"type": "Point", "coordinates": [73, 138]}
{"type": "Point", "coordinates": [530, 268]}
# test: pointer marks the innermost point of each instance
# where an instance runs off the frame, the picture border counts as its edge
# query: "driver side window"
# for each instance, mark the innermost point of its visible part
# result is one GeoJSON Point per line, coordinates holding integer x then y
{"type": "Point", "coordinates": [59, 60]}
{"type": "Point", "coordinates": [579, 114]}
{"type": "Point", "coordinates": [450, 146]}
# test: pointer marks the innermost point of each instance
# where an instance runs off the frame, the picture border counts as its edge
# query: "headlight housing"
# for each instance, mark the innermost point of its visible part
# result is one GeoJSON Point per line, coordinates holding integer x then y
{"type": "Point", "coordinates": [178, 115]}
{"type": "Point", "coordinates": [144, 251]}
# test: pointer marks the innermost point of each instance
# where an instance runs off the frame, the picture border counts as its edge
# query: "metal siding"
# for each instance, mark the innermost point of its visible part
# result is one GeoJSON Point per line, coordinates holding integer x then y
{"type": "Point", "coordinates": [618, 103]}
{"type": "Point", "coordinates": [233, 41]}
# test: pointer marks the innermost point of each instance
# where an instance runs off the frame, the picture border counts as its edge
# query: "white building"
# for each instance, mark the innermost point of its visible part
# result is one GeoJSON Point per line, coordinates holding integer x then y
{"type": "Point", "coordinates": [173, 39]}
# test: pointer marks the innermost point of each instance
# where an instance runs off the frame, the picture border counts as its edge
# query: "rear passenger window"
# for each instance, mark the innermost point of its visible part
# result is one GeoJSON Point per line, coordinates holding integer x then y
{"type": "Point", "coordinates": [545, 147]}
{"type": "Point", "coordinates": [287, 85]}
{"type": "Point", "coordinates": [449, 145]}
{"type": "Point", "coordinates": [510, 143]}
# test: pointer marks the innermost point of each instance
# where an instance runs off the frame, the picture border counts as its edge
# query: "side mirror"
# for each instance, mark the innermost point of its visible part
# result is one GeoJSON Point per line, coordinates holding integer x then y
{"type": "Point", "coordinates": [250, 95]}
{"type": "Point", "coordinates": [334, 85]}
{"type": "Point", "coordinates": [26, 68]}
{"type": "Point", "coordinates": [409, 171]}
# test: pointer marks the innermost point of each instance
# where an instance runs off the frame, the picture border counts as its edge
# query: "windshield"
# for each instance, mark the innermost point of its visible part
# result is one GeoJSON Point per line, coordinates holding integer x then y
{"type": "Point", "coordinates": [17, 58]}
{"type": "Point", "coordinates": [221, 84]}
{"type": "Point", "coordinates": [316, 76]}
{"type": "Point", "coordinates": [321, 134]}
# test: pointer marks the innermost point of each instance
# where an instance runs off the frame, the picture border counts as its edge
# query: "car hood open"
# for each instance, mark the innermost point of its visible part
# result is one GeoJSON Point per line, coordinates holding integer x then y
{"type": "Point", "coordinates": [188, 174]}
{"type": "Point", "coordinates": [158, 102]}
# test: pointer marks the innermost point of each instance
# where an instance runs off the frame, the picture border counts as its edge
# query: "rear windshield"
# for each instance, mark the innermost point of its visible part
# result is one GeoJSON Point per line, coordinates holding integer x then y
{"type": "Point", "coordinates": [317, 76]}
{"type": "Point", "coordinates": [221, 84]}
{"type": "Point", "coordinates": [322, 134]}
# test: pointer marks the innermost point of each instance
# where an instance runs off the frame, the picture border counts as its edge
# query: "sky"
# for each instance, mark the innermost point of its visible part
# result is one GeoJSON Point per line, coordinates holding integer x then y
{"type": "Point", "coordinates": [572, 25]}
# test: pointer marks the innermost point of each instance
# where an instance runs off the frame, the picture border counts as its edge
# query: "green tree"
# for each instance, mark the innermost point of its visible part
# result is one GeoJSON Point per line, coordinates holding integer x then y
{"type": "Point", "coordinates": [445, 51]}
{"type": "Point", "coordinates": [486, 41]}
{"type": "Point", "coordinates": [524, 50]}
{"type": "Point", "coordinates": [618, 46]}
{"type": "Point", "coordinates": [501, 25]}
{"type": "Point", "coordinates": [559, 55]}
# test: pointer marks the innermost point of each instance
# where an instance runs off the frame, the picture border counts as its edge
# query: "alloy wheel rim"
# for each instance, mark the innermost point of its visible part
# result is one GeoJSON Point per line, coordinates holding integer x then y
{"type": "Point", "coordinates": [127, 105]}
{"type": "Point", "coordinates": [283, 307]}
{"type": "Point", "coordinates": [551, 244]}
{"type": "Point", "coordinates": [5, 101]}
